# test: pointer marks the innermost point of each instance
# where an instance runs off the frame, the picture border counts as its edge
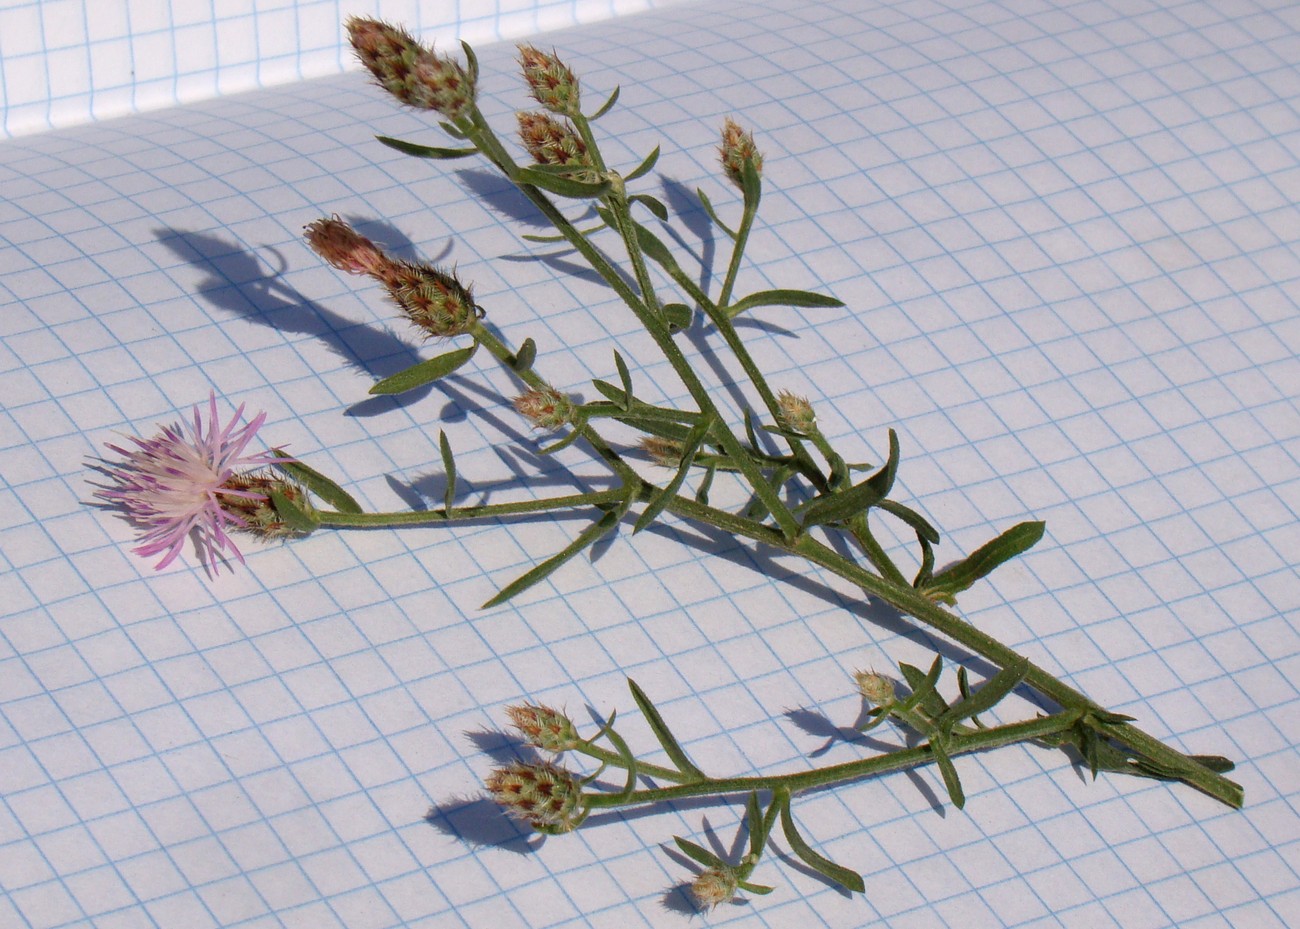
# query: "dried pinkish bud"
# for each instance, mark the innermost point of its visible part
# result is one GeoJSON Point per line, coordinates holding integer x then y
{"type": "Point", "coordinates": [714, 886]}
{"type": "Point", "coordinates": [736, 149]}
{"type": "Point", "coordinates": [410, 71]}
{"type": "Point", "coordinates": [552, 142]}
{"type": "Point", "coordinates": [665, 452]}
{"type": "Point", "coordinates": [552, 84]}
{"type": "Point", "coordinates": [543, 795]}
{"type": "Point", "coordinates": [346, 249]}
{"type": "Point", "coordinates": [545, 408]}
{"type": "Point", "coordinates": [795, 414]}
{"type": "Point", "coordinates": [544, 727]}
{"type": "Point", "coordinates": [433, 300]}
{"type": "Point", "coordinates": [876, 689]}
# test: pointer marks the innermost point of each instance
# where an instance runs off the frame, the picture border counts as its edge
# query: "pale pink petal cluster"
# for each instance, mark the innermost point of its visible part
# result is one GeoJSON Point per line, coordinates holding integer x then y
{"type": "Point", "coordinates": [172, 484]}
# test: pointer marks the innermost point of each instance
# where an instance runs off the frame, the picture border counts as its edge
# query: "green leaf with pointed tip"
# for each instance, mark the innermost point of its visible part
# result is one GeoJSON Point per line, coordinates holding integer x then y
{"type": "Point", "coordinates": [988, 696]}
{"type": "Point", "coordinates": [294, 516]}
{"type": "Point", "coordinates": [923, 684]}
{"type": "Point", "coordinates": [669, 742]}
{"type": "Point", "coordinates": [842, 505]}
{"type": "Point", "coordinates": [751, 183]}
{"type": "Point", "coordinates": [586, 538]}
{"type": "Point", "coordinates": [698, 853]}
{"type": "Point", "coordinates": [471, 62]}
{"type": "Point", "coordinates": [317, 483]}
{"type": "Point", "coordinates": [425, 151]}
{"type": "Point", "coordinates": [426, 372]}
{"type": "Point", "coordinates": [645, 167]}
{"type": "Point", "coordinates": [819, 863]}
{"type": "Point", "coordinates": [708, 209]}
{"type": "Point", "coordinates": [562, 186]}
{"type": "Point", "coordinates": [800, 298]}
{"type": "Point", "coordinates": [655, 248]}
{"type": "Point", "coordinates": [605, 107]}
{"type": "Point", "coordinates": [955, 578]}
{"type": "Point", "coordinates": [665, 496]}
{"type": "Point", "coordinates": [524, 358]}
{"type": "Point", "coordinates": [948, 773]}
{"type": "Point", "coordinates": [625, 376]}
{"type": "Point", "coordinates": [653, 204]}
{"type": "Point", "coordinates": [619, 398]}
{"type": "Point", "coordinates": [914, 519]}
{"type": "Point", "coordinates": [625, 755]}
{"type": "Point", "coordinates": [759, 889]}
{"type": "Point", "coordinates": [448, 466]}
{"type": "Point", "coordinates": [565, 442]}
{"type": "Point", "coordinates": [679, 316]}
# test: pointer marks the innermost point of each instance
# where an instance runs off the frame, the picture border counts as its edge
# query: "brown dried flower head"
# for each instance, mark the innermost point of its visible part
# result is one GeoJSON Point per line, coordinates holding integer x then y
{"type": "Point", "coordinates": [551, 82]}
{"type": "Point", "coordinates": [544, 727]}
{"type": "Point", "coordinates": [738, 147]}
{"type": "Point", "coordinates": [346, 249]}
{"type": "Point", "coordinates": [413, 73]}
{"type": "Point", "coordinates": [543, 795]}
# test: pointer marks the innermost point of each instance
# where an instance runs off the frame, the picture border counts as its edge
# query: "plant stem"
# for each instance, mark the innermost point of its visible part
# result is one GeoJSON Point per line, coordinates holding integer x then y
{"type": "Point", "coordinates": [486, 511]}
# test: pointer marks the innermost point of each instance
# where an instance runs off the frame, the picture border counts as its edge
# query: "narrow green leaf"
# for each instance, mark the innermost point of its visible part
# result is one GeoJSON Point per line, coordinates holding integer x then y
{"type": "Point", "coordinates": [552, 239]}
{"type": "Point", "coordinates": [626, 377]}
{"type": "Point", "coordinates": [451, 130]}
{"type": "Point", "coordinates": [425, 372]}
{"type": "Point", "coordinates": [663, 734]}
{"type": "Point", "coordinates": [625, 755]}
{"type": "Point", "coordinates": [564, 443]}
{"type": "Point", "coordinates": [317, 483]}
{"type": "Point", "coordinates": [708, 208]}
{"type": "Point", "coordinates": [425, 151]}
{"type": "Point", "coordinates": [842, 505]}
{"type": "Point", "coordinates": [759, 889]}
{"type": "Point", "coordinates": [914, 519]}
{"type": "Point", "coordinates": [924, 692]}
{"type": "Point", "coordinates": [471, 63]}
{"type": "Point", "coordinates": [984, 699]}
{"type": "Point", "coordinates": [800, 298]}
{"type": "Point", "coordinates": [653, 204]}
{"type": "Point", "coordinates": [955, 578]}
{"type": "Point", "coordinates": [654, 248]}
{"type": "Point", "coordinates": [751, 183]}
{"type": "Point", "coordinates": [666, 495]}
{"type": "Point", "coordinates": [524, 358]}
{"type": "Point", "coordinates": [702, 494]}
{"type": "Point", "coordinates": [562, 186]}
{"type": "Point", "coordinates": [645, 167]}
{"type": "Point", "coordinates": [948, 772]}
{"type": "Point", "coordinates": [620, 398]}
{"type": "Point", "coordinates": [586, 538]}
{"type": "Point", "coordinates": [605, 107]}
{"type": "Point", "coordinates": [698, 853]}
{"type": "Point", "coordinates": [679, 316]}
{"type": "Point", "coordinates": [294, 516]}
{"type": "Point", "coordinates": [819, 863]}
{"type": "Point", "coordinates": [449, 467]}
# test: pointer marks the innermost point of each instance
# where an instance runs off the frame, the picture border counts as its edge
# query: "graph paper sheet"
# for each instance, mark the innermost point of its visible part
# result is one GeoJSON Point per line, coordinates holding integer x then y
{"type": "Point", "coordinates": [1069, 244]}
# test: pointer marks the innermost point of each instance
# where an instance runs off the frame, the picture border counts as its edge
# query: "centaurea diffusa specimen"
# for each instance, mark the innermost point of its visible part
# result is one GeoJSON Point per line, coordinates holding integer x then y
{"type": "Point", "coordinates": [185, 481]}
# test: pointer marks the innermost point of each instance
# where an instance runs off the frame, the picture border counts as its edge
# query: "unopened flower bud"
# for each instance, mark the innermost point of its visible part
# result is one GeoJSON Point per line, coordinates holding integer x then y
{"type": "Point", "coordinates": [795, 414]}
{"type": "Point", "coordinates": [410, 71]}
{"type": "Point", "coordinates": [665, 452]}
{"type": "Point", "coordinates": [737, 148]}
{"type": "Point", "coordinates": [434, 300]}
{"type": "Point", "coordinates": [346, 249]}
{"type": "Point", "coordinates": [552, 84]}
{"type": "Point", "coordinates": [544, 727]}
{"type": "Point", "coordinates": [543, 795]}
{"type": "Point", "coordinates": [714, 886]}
{"type": "Point", "coordinates": [552, 142]}
{"type": "Point", "coordinates": [876, 689]}
{"type": "Point", "coordinates": [545, 408]}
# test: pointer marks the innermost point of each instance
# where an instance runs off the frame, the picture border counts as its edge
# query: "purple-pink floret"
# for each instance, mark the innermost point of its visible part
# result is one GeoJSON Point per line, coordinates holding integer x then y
{"type": "Point", "coordinates": [171, 484]}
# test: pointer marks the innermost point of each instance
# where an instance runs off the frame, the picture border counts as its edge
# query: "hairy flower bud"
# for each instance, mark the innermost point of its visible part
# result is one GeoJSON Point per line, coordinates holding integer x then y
{"type": "Point", "coordinates": [795, 414]}
{"type": "Point", "coordinates": [553, 142]}
{"type": "Point", "coordinates": [410, 71]}
{"type": "Point", "coordinates": [544, 727]}
{"type": "Point", "coordinates": [714, 886]}
{"type": "Point", "coordinates": [433, 300]}
{"type": "Point", "coordinates": [346, 249]}
{"type": "Point", "coordinates": [664, 452]}
{"type": "Point", "coordinates": [545, 408]}
{"type": "Point", "coordinates": [876, 689]}
{"type": "Point", "coordinates": [551, 82]}
{"type": "Point", "coordinates": [543, 795]}
{"type": "Point", "coordinates": [247, 497]}
{"type": "Point", "coordinates": [737, 148]}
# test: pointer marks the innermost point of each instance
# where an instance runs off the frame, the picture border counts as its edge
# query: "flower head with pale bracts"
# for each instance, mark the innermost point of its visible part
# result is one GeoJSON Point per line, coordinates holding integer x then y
{"type": "Point", "coordinates": [172, 485]}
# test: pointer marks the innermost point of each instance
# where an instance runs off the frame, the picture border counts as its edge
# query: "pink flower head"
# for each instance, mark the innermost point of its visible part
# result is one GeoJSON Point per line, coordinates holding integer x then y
{"type": "Point", "coordinates": [172, 484]}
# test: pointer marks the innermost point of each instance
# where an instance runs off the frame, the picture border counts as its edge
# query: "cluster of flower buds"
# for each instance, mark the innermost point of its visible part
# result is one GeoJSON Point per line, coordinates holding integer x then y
{"type": "Point", "coordinates": [546, 408]}
{"type": "Point", "coordinates": [544, 728]}
{"type": "Point", "coordinates": [551, 82]}
{"type": "Point", "coordinates": [543, 795]}
{"type": "Point", "coordinates": [737, 148]}
{"type": "Point", "coordinates": [435, 301]}
{"type": "Point", "coordinates": [410, 71]}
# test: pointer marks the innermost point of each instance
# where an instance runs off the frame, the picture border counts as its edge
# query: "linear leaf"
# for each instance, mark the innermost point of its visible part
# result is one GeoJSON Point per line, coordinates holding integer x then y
{"type": "Point", "coordinates": [426, 372]}
{"type": "Point", "coordinates": [666, 495]}
{"type": "Point", "coordinates": [448, 466]}
{"type": "Point", "coordinates": [698, 853]}
{"type": "Point", "coordinates": [948, 772]}
{"type": "Point", "coordinates": [625, 377]}
{"type": "Point", "coordinates": [586, 538]}
{"type": "Point", "coordinates": [524, 358]}
{"type": "Point", "coordinates": [751, 183]}
{"type": "Point", "coordinates": [914, 519]}
{"type": "Point", "coordinates": [663, 734]}
{"type": "Point", "coordinates": [294, 516]}
{"type": "Point", "coordinates": [923, 684]}
{"type": "Point", "coordinates": [760, 889]}
{"type": "Point", "coordinates": [317, 483]}
{"type": "Point", "coordinates": [845, 504]}
{"type": "Point", "coordinates": [645, 167]}
{"type": "Point", "coordinates": [425, 151]}
{"type": "Point", "coordinates": [562, 186]}
{"type": "Point", "coordinates": [626, 756]}
{"type": "Point", "coordinates": [471, 62]}
{"type": "Point", "coordinates": [605, 107]}
{"type": "Point", "coordinates": [708, 208]}
{"type": "Point", "coordinates": [984, 699]}
{"type": "Point", "coordinates": [653, 204]}
{"type": "Point", "coordinates": [801, 298]}
{"type": "Point", "coordinates": [955, 578]}
{"type": "Point", "coordinates": [819, 863]}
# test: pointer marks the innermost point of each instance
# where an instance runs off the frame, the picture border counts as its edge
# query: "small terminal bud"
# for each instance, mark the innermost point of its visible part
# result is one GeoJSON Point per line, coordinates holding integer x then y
{"type": "Point", "coordinates": [552, 142]}
{"type": "Point", "coordinates": [433, 300]}
{"type": "Point", "coordinates": [714, 886]}
{"type": "Point", "coordinates": [795, 414]}
{"type": "Point", "coordinates": [410, 71]}
{"type": "Point", "coordinates": [544, 727]}
{"type": "Point", "coordinates": [247, 497]}
{"type": "Point", "coordinates": [543, 795]}
{"type": "Point", "coordinates": [737, 148]}
{"type": "Point", "coordinates": [346, 249]}
{"type": "Point", "coordinates": [665, 452]}
{"type": "Point", "coordinates": [552, 84]}
{"type": "Point", "coordinates": [545, 408]}
{"type": "Point", "coordinates": [876, 689]}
